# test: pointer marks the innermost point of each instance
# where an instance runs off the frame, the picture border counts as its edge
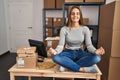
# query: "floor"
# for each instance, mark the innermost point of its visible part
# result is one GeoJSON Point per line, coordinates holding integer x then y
{"type": "Point", "coordinates": [7, 60]}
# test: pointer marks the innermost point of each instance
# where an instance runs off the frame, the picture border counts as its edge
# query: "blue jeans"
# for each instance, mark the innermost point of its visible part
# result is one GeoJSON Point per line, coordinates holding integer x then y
{"type": "Point", "coordinates": [75, 59]}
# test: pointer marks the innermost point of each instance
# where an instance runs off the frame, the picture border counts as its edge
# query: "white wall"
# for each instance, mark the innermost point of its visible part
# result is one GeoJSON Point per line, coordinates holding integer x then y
{"type": "Point", "coordinates": [91, 12]}
{"type": "Point", "coordinates": [3, 29]}
{"type": "Point", "coordinates": [37, 24]}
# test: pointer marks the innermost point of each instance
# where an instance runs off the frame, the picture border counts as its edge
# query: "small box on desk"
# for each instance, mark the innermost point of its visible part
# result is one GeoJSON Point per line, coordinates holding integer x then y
{"type": "Point", "coordinates": [26, 57]}
{"type": "Point", "coordinates": [27, 62]}
{"type": "Point", "coordinates": [26, 50]}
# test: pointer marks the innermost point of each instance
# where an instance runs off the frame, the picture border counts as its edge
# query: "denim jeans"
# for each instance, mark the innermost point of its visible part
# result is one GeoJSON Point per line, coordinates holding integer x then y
{"type": "Point", "coordinates": [75, 59]}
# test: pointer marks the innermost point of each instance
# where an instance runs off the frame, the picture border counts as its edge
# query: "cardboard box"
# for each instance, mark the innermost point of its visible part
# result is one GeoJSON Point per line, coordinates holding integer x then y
{"type": "Point", "coordinates": [94, 0]}
{"type": "Point", "coordinates": [117, 16]}
{"type": "Point", "coordinates": [49, 21]}
{"type": "Point", "coordinates": [56, 31]}
{"type": "Point", "coordinates": [51, 42]}
{"type": "Point", "coordinates": [25, 55]}
{"type": "Point", "coordinates": [27, 62]}
{"type": "Point", "coordinates": [106, 20]}
{"type": "Point", "coordinates": [109, 39]}
{"type": "Point", "coordinates": [109, 26]}
{"type": "Point", "coordinates": [49, 3]}
{"type": "Point", "coordinates": [86, 21]}
{"type": "Point", "coordinates": [74, 0]}
{"type": "Point", "coordinates": [59, 3]}
{"type": "Point", "coordinates": [114, 72]}
{"type": "Point", "coordinates": [115, 48]}
{"type": "Point", "coordinates": [57, 21]}
{"type": "Point", "coordinates": [111, 19]}
{"type": "Point", "coordinates": [49, 32]}
{"type": "Point", "coordinates": [26, 50]}
{"type": "Point", "coordinates": [105, 40]}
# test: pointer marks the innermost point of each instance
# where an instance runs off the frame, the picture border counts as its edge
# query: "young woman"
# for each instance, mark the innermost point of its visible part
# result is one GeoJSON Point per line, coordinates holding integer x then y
{"type": "Point", "coordinates": [70, 53]}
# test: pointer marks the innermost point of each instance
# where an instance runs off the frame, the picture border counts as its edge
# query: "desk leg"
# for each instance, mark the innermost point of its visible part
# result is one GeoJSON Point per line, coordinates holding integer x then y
{"type": "Point", "coordinates": [98, 77]}
{"type": "Point", "coordinates": [53, 78]}
{"type": "Point", "coordinates": [12, 77]}
{"type": "Point", "coordinates": [72, 78]}
{"type": "Point", "coordinates": [29, 77]}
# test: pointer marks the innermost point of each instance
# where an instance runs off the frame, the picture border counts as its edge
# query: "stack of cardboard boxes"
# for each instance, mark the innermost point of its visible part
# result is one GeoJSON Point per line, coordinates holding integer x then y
{"type": "Point", "coordinates": [53, 21]}
{"type": "Point", "coordinates": [53, 3]}
{"type": "Point", "coordinates": [26, 57]}
{"type": "Point", "coordinates": [109, 38]}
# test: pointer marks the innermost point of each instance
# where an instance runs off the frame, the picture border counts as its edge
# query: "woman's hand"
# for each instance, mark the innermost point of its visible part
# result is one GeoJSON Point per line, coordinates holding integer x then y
{"type": "Point", "coordinates": [52, 51]}
{"type": "Point", "coordinates": [100, 51]}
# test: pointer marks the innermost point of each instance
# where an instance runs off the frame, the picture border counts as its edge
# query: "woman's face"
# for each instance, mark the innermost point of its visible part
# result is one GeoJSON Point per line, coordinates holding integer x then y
{"type": "Point", "coordinates": [75, 15]}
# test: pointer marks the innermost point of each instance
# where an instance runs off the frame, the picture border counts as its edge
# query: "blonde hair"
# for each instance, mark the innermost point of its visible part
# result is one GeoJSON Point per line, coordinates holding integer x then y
{"type": "Point", "coordinates": [69, 22]}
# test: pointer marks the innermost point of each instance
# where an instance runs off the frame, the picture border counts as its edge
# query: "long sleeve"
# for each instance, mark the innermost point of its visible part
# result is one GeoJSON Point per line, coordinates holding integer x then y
{"type": "Point", "coordinates": [88, 41]}
{"type": "Point", "coordinates": [74, 38]}
{"type": "Point", "coordinates": [60, 47]}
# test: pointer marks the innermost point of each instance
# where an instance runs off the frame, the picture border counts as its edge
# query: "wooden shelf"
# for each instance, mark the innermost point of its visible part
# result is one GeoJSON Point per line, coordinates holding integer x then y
{"type": "Point", "coordinates": [84, 3]}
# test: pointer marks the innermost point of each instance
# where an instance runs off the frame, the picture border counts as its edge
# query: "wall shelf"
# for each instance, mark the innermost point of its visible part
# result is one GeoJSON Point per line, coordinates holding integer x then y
{"type": "Point", "coordinates": [65, 9]}
{"type": "Point", "coordinates": [84, 3]}
{"type": "Point", "coordinates": [93, 28]}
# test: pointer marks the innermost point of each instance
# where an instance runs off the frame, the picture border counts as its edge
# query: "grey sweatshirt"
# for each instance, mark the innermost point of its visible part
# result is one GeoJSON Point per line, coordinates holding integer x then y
{"type": "Point", "coordinates": [73, 38]}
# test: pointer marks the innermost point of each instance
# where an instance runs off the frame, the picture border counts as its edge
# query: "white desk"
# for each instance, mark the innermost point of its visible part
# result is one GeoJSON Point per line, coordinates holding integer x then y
{"type": "Point", "coordinates": [53, 72]}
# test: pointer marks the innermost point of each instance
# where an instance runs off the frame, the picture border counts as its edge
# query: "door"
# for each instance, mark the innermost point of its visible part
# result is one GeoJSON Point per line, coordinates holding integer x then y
{"type": "Point", "coordinates": [21, 23]}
